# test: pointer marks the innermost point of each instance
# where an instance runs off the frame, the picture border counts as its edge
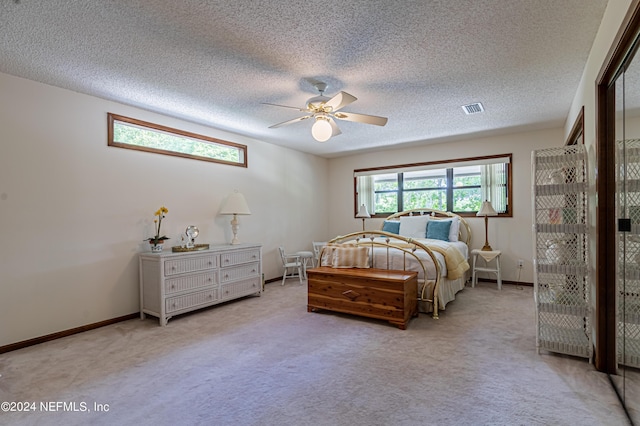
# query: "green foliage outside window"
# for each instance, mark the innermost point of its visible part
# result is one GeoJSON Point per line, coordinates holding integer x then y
{"type": "Point", "coordinates": [154, 139]}
{"type": "Point", "coordinates": [467, 199]}
{"type": "Point", "coordinates": [135, 134]}
{"type": "Point", "coordinates": [427, 191]}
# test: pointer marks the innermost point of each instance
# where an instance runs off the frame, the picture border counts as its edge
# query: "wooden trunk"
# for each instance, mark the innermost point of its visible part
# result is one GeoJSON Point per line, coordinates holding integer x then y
{"type": "Point", "coordinates": [375, 293]}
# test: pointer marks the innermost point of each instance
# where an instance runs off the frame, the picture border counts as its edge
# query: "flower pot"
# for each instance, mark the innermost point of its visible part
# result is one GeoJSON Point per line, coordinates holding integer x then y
{"type": "Point", "coordinates": [156, 246]}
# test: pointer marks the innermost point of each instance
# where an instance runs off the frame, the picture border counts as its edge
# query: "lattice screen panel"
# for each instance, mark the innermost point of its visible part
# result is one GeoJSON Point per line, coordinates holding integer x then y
{"type": "Point", "coordinates": [561, 274]}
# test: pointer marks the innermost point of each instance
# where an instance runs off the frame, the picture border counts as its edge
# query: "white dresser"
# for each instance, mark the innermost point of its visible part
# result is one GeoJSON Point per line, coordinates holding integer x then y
{"type": "Point", "coordinates": [175, 283]}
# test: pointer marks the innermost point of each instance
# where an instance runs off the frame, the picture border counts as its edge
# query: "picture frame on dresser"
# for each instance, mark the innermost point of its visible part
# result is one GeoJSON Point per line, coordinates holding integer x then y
{"type": "Point", "coordinates": [174, 283]}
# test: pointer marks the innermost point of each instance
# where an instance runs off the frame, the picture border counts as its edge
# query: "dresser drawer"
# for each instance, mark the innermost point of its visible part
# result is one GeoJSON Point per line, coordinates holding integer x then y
{"type": "Point", "coordinates": [174, 283]}
{"type": "Point", "coordinates": [238, 257]}
{"type": "Point", "coordinates": [240, 288]}
{"type": "Point", "coordinates": [190, 282]}
{"type": "Point", "coordinates": [189, 264]}
{"type": "Point", "coordinates": [190, 300]}
{"type": "Point", "coordinates": [239, 272]}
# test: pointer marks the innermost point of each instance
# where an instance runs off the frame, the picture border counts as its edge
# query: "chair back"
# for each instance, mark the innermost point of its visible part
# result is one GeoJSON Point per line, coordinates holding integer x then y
{"type": "Point", "coordinates": [283, 255]}
{"type": "Point", "coordinates": [317, 249]}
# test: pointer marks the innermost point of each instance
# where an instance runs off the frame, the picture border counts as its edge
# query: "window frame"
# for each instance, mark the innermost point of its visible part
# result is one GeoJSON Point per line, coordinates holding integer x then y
{"type": "Point", "coordinates": [112, 118]}
{"type": "Point", "coordinates": [449, 187]}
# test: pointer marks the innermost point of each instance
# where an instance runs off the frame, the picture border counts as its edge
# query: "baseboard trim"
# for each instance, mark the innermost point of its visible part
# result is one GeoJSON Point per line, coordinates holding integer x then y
{"type": "Point", "coordinates": [65, 333]}
{"type": "Point", "coordinates": [490, 280]}
{"type": "Point", "coordinates": [272, 280]}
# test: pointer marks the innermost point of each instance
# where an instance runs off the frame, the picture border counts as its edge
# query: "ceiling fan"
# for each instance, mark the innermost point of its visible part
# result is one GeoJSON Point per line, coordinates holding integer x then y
{"type": "Point", "coordinates": [324, 110]}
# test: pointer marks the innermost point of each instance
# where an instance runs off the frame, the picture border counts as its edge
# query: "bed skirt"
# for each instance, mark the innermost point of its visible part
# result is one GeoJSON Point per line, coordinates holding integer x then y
{"type": "Point", "coordinates": [447, 293]}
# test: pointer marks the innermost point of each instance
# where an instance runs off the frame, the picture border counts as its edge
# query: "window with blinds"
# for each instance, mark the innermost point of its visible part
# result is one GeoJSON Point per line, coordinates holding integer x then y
{"type": "Point", "coordinates": [459, 186]}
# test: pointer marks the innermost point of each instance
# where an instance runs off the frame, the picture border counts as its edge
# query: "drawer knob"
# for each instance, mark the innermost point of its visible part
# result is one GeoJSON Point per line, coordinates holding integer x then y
{"type": "Point", "coordinates": [173, 268]}
{"type": "Point", "coordinates": [226, 276]}
{"type": "Point", "coordinates": [173, 286]}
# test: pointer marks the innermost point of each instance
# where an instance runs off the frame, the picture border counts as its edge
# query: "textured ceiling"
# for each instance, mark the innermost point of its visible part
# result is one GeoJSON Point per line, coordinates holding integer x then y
{"type": "Point", "coordinates": [216, 62]}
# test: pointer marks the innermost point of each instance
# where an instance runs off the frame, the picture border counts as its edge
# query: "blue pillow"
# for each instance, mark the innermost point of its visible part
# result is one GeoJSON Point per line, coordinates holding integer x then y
{"type": "Point", "coordinates": [392, 226]}
{"type": "Point", "coordinates": [438, 229]}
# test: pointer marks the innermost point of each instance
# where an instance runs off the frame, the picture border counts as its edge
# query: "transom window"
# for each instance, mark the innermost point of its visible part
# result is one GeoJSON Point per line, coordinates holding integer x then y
{"type": "Point", "coordinates": [459, 186]}
{"type": "Point", "coordinates": [125, 132]}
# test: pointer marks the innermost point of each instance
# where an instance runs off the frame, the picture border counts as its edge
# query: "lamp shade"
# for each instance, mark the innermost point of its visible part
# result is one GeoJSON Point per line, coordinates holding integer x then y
{"type": "Point", "coordinates": [363, 212]}
{"type": "Point", "coordinates": [321, 129]}
{"type": "Point", "coordinates": [235, 204]}
{"type": "Point", "coordinates": [486, 209]}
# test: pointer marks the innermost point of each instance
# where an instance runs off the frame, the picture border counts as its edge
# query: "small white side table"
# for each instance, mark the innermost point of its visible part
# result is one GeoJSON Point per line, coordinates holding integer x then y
{"type": "Point", "coordinates": [306, 258]}
{"type": "Point", "coordinates": [488, 257]}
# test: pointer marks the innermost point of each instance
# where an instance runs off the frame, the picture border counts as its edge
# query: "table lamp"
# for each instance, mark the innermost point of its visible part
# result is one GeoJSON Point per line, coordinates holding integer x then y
{"type": "Point", "coordinates": [363, 214]}
{"type": "Point", "coordinates": [486, 210]}
{"type": "Point", "coordinates": [235, 205]}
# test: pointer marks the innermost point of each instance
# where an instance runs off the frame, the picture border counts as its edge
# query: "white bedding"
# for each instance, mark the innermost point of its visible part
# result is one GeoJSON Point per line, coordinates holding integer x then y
{"type": "Point", "coordinates": [384, 258]}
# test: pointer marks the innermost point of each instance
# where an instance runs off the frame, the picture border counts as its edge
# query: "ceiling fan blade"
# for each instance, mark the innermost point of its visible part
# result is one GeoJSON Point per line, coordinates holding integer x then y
{"type": "Point", "coordinates": [285, 123]}
{"type": "Point", "coordinates": [335, 130]}
{"type": "Point", "coordinates": [361, 118]}
{"type": "Point", "coordinates": [286, 106]}
{"type": "Point", "coordinates": [339, 101]}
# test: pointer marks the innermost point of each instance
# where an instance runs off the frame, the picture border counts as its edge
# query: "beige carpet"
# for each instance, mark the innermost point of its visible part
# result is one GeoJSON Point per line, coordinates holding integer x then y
{"type": "Point", "coordinates": [267, 361]}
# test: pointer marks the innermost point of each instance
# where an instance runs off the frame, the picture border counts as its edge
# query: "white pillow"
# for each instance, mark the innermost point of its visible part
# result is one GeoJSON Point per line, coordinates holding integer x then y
{"type": "Point", "coordinates": [413, 226]}
{"type": "Point", "coordinates": [455, 229]}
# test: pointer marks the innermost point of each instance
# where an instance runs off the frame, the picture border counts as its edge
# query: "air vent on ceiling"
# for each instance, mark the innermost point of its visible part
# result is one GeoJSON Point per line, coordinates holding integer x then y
{"type": "Point", "coordinates": [473, 108]}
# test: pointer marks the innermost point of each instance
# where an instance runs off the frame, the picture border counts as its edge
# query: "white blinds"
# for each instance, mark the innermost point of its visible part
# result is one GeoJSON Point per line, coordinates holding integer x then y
{"type": "Point", "coordinates": [432, 166]}
{"type": "Point", "coordinates": [493, 184]}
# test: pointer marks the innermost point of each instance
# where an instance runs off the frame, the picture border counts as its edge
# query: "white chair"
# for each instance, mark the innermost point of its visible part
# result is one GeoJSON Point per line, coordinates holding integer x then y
{"type": "Point", "coordinates": [292, 266]}
{"type": "Point", "coordinates": [317, 249]}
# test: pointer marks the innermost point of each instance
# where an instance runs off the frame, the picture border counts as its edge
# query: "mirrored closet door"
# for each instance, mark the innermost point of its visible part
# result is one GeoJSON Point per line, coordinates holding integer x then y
{"type": "Point", "coordinates": [627, 159]}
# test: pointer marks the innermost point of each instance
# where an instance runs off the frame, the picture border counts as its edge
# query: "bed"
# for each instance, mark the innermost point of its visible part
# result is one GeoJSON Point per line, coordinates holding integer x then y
{"type": "Point", "coordinates": [405, 242]}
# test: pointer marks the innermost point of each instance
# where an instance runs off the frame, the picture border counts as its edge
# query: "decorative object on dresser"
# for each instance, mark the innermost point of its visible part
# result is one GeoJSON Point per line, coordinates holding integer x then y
{"type": "Point", "coordinates": [157, 241]}
{"type": "Point", "coordinates": [363, 214]}
{"type": "Point", "coordinates": [562, 290]}
{"type": "Point", "coordinates": [189, 241]}
{"type": "Point", "coordinates": [235, 205]}
{"type": "Point", "coordinates": [373, 293]}
{"type": "Point", "coordinates": [486, 210]}
{"type": "Point", "coordinates": [175, 283]}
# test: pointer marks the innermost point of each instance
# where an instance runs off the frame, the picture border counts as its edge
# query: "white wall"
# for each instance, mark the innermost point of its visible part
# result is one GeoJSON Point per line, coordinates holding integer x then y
{"type": "Point", "coordinates": [74, 212]}
{"type": "Point", "coordinates": [586, 96]}
{"type": "Point", "coordinates": [511, 235]}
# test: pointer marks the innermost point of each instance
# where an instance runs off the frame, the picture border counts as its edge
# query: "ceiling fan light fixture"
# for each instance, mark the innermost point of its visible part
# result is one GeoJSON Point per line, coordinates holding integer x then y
{"type": "Point", "coordinates": [321, 129]}
{"type": "Point", "coordinates": [325, 110]}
